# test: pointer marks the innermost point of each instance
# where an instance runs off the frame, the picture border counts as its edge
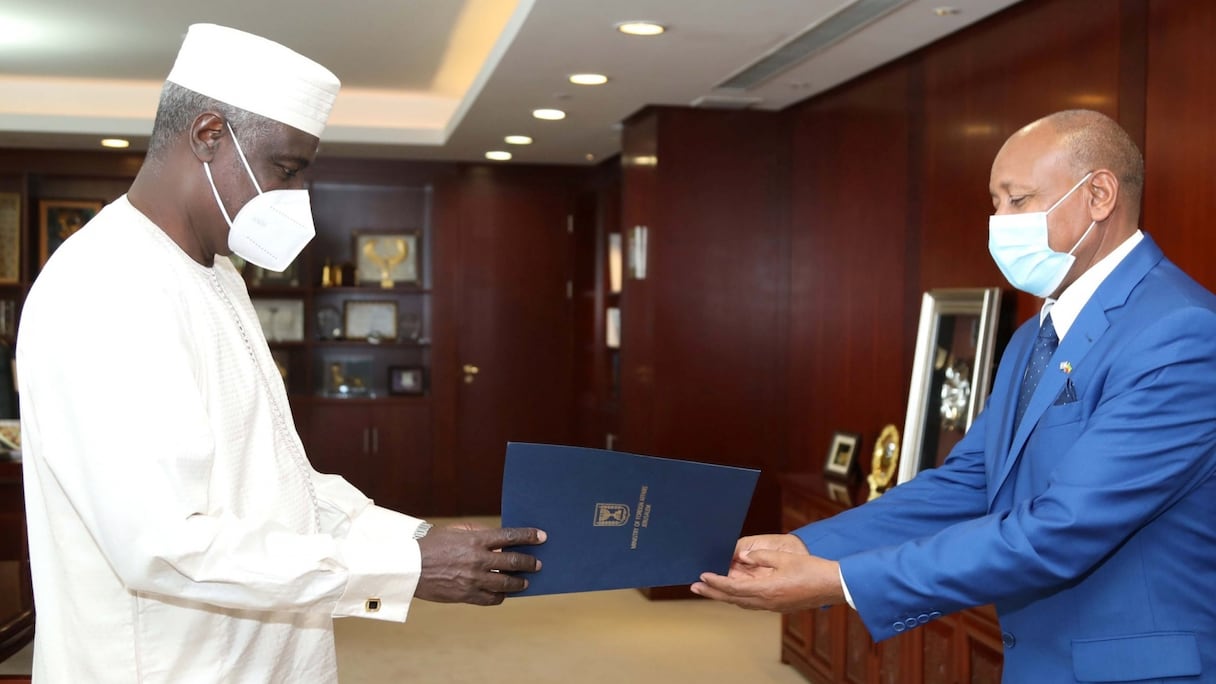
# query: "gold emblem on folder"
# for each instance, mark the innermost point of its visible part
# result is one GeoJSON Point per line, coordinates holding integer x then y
{"type": "Point", "coordinates": [611, 515]}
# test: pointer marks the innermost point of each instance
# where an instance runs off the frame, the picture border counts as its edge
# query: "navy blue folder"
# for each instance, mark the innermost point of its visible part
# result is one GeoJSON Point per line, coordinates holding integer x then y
{"type": "Point", "coordinates": [618, 520]}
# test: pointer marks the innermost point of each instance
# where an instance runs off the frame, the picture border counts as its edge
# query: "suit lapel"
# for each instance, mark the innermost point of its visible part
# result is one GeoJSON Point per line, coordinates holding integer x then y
{"type": "Point", "coordinates": [1089, 326]}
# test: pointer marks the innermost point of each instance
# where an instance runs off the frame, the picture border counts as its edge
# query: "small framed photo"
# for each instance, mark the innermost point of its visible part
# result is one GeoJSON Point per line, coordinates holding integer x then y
{"type": "Point", "coordinates": [387, 258]}
{"type": "Point", "coordinates": [374, 321]}
{"type": "Point", "coordinates": [842, 456]}
{"type": "Point", "coordinates": [60, 219]}
{"type": "Point", "coordinates": [405, 380]}
{"type": "Point", "coordinates": [10, 237]}
{"type": "Point", "coordinates": [282, 319]}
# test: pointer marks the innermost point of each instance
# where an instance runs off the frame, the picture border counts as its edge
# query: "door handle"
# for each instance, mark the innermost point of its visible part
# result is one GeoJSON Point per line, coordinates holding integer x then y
{"type": "Point", "coordinates": [470, 373]}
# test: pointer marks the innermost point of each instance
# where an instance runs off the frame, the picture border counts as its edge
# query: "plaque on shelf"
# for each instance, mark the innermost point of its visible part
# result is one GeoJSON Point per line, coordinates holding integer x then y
{"type": "Point", "coordinates": [374, 321]}
{"type": "Point", "coordinates": [386, 259]}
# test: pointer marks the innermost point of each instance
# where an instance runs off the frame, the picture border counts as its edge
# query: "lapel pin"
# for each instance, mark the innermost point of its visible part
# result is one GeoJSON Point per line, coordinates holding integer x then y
{"type": "Point", "coordinates": [1066, 367]}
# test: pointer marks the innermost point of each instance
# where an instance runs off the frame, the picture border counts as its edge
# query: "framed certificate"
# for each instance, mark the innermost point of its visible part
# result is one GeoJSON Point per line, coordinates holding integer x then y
{"type": "Point", "coordinates": [10, 237]}
{"type": "Point", "coordinates": [374, 321]}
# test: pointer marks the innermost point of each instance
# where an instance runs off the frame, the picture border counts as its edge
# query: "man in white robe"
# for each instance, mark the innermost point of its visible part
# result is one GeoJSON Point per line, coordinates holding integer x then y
{"type": "Point", "coordinates": [177, 532]}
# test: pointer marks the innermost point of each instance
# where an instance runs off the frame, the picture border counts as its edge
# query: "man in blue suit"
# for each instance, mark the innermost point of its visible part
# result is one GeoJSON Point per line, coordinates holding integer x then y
{"type": "Point", "coordinates": [1082, 502]}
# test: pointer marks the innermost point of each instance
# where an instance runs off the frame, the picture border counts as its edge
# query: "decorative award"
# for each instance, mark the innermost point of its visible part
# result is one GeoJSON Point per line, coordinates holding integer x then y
{"type": "Point", "coordinates": [886, 462]}
{"type": "Point", "coordinates": [386, 264]}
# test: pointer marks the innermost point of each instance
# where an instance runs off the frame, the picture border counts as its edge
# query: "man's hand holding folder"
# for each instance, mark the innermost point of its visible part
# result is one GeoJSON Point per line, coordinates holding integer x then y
{"type": "Point", "coordinates": [617, 520]}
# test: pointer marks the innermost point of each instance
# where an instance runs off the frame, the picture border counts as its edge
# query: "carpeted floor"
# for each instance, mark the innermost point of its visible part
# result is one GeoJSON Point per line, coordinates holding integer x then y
{"type": "Point", "coordinates": [608, 637]}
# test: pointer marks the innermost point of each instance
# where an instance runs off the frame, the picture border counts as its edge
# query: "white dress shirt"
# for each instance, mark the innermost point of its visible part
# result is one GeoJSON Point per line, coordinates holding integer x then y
{"type": "Point", "coordinates": [177, 532]}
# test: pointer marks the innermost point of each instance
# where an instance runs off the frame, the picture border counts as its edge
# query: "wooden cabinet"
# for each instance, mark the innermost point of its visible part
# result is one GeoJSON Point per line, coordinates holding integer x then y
{"type": "Point", "coordinates": [16, 592]}
{"type": "Point", "coordinates": [381, 447]}
{"type": "Point", "coordinates": [832, 645]}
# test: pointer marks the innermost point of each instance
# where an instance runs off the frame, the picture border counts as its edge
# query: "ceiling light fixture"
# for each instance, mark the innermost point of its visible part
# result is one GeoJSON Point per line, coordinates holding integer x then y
{"type": "Point", "coordinates": [116, 143]}
{"type": "Point", "coordinates": [518, 140]}
{"type": "Point", "coordinates": [641, 28]}
{"type": "Point", "coordinates": [588, 79]}
{"type": "Point", "coordinates": [549, 114]}
{"type": "Point", "coordinates": [498, 155]}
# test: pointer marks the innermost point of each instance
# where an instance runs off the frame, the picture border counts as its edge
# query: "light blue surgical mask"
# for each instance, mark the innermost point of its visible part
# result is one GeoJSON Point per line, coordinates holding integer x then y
{"type": "Point", "coordinates": [1018, 244]}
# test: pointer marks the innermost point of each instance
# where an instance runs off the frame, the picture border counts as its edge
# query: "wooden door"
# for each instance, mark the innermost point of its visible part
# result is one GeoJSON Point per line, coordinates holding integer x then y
{"type": "Point", "coordinates": [513, 328]}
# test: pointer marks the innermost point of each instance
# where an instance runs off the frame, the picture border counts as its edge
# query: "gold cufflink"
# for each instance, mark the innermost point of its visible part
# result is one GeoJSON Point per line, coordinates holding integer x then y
{"type": "Point", "coordinates": [371, 605]}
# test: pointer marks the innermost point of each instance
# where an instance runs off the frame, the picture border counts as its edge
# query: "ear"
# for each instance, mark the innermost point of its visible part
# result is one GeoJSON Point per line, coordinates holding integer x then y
{"type": "Point", "coordinates": [1104, 194]}
{"type": "Point", "coordinates": [205, 134]}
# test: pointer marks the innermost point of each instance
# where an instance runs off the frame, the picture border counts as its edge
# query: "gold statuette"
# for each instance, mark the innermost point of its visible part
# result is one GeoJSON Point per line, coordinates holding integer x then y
{"type": "Point", "coordinates": [386, 264]}
{"type": "Point", "coordinates": [886, 462]}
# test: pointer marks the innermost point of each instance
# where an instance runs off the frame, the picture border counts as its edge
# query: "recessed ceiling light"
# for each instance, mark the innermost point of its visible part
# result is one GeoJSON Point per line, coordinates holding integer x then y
{"type": "Point", "coordinates": [946, 11]}
{"type": "Point", "coordinates": [498, 155]}
{"type": "Point", "coordinates": [588, 79]}
{"type": "Point", "coordinates": [640, 28]}
{"type": "Point", "coordinates": [549, 114]}
{"type": "Point", "coordinates": [116, 143]}
{"type": "Point", "coordinates": [589, 157]}
{"type": "Point", "coordinates": [518, 140]}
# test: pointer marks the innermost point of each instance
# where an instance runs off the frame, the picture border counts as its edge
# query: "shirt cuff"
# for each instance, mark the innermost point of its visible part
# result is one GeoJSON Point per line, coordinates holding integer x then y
{"type": "Point", "coordinates": [383, 565]}
{"type": "Point", "coordinates": [847, 596]}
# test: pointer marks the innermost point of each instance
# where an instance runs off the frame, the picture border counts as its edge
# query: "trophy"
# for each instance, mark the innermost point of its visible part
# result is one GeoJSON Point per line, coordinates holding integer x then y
{"type": "Point", "coordinates": [886, 461]}
{"type": "Point", "coordinates": [386, 264]}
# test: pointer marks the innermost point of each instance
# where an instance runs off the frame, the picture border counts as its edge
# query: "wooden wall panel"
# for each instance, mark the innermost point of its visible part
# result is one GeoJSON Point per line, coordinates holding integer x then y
{"type": "Point", "coordinates": [1180, 162]}
{"type": "Point", "coordinates": [718, 274]}
{"type": "Point", "coordinates": [982, 85]}
{"type": "Point", "coordinates": [850, 258]}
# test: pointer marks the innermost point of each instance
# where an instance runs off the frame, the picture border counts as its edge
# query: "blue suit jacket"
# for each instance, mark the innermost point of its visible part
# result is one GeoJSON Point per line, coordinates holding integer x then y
{"type": "Point", "coordinates": [1092, 527]}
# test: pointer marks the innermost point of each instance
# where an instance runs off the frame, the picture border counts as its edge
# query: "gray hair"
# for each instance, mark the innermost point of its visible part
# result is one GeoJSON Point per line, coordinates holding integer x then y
{"type": "Point", "coordinates": [178, 109]}
{"type": "Point", "coordinates": [1096, 141]}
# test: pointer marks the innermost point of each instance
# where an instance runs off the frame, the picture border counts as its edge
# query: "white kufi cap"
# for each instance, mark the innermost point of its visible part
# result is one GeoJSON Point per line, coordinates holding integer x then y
{"type": "Point", "coordinates": [255, 74]}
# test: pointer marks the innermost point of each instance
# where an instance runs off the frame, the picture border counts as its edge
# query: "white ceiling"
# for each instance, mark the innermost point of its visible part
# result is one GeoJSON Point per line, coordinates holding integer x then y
{"type": "Point", "coordinates": [439, 79]}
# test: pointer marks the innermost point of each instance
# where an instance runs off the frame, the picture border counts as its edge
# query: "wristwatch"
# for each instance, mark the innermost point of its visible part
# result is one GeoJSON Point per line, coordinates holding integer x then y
{"type": "Point", "coordinates": [423, 528]}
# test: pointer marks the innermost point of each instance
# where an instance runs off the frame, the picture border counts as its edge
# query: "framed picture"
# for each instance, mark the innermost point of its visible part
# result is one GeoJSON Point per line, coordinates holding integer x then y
{"type": "Point", "coordinates": [405, 380]}
{"type": "Point", "coordinates": [951, 372]}
{"type": "Point", "coordinates": [371, 320]}
{"type": "Point", "coordinates": [10, 237]}
{"type": "Point", "coordinates": [842, 456]}
{"type": "Point", "coordinates": [60, 219]}
{"type": "Point", "coordinates": [387, 258]}
{"type": "Point", "coordinates": [10, 434]}
{"type": "Point", "coordinates": [282, 319]}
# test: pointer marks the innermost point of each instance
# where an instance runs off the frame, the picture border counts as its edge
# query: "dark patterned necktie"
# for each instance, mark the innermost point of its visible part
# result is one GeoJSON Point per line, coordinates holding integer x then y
{"type": "Point", "coordinates": [1044, 346]}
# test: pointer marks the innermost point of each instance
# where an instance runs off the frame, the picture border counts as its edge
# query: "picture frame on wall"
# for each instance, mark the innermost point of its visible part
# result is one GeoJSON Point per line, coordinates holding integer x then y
{"type": "Point", "coordinates": [10, 238]}
{"type": "Point", "coordinates": [387, 258]}
{"type": "Point", "coordinates": [59, 219]}
{"type": "Point", "coordinates": [951, 373]}
{"type": "Point", "coordinates": [842, 455]}
{"type": "Point", "coordinates": [405, 380]}
{"type": "Point", "coordinates": [371, 320]}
